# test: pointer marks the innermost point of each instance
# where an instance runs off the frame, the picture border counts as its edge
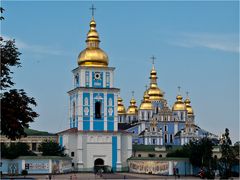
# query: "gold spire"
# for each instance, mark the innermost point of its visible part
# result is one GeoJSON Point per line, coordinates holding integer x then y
{"type": "Point", "coordinates": [179, 104]}
{"type": "Point", "coordinates": [155, 94]}
{"type": "Point", "coordinates": [121, 108]}
{"type": "Point", "coordinates": [132, 109]}
{"type": "Point", "coordinates": [93, 55]}
{"type": "Point", "coordinates": [146, 103]}
{"type": "Point", "coordinates": [188, 106]}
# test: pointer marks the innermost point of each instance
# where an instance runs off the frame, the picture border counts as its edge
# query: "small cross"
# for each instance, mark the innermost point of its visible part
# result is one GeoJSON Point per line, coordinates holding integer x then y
{"type": "Point", "coordinates": [187, 93]}
{"type": "Point", "coordinates": [146, 87]}
{"type": "Point", "coordinates": [92, 9]}
{"type": "Point", "coordinates": [179, 89]}
{"type": "Point", "coordinates": [153, 59]}
{"type": "Point", "coordinates": [132, 93]}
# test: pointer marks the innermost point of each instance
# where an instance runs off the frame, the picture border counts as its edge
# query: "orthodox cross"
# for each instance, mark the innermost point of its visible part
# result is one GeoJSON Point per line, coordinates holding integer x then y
{"type": "Point", "coordinates": [132, 93]}
{"type": "Point", "coordinates": [187, 93]}
{"type": "Point", "coordinates": [153, 59]}
{"type": "Point", "coordinates": [179, 89]}
{"type": "Point", "coordinates": [92, 9]}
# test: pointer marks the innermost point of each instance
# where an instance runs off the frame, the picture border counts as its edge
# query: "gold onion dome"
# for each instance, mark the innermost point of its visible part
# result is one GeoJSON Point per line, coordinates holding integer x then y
{"type": "Point", "coordinates": [93, 56]}
{"type": "Point", "coordinates": [121, 108]}
{"type": "Point", "coordinates": [188, 106]}
{"type": "Point", "coordinates": [146, 103]}
{"type": "Point", "coordinates": [155, 94]}
{"type": "Point", "coordinates": [132, 109]}
{"type": "Point", "coordinates": [179, 105]}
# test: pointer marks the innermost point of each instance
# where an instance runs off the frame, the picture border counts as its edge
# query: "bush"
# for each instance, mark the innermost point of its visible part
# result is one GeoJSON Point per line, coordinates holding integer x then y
{"type": "Point", "coordinates": [24, 172]}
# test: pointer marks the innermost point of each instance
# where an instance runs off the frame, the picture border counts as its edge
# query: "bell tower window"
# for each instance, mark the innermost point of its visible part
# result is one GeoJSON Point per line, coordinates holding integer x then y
{"type": "Point", "coordinates": [98, 110]}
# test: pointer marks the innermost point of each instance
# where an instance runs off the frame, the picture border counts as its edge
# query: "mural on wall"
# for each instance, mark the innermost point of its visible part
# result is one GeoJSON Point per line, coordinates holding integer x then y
{"type": "Point", "coordinates": [13, 168]}
{"type": "Point", "coordinates": [149, 167]}
{"type": "Point", "coordinates": [55, 166]}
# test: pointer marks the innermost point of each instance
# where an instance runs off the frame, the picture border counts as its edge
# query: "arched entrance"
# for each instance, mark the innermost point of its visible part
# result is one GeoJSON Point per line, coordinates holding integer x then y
{"type": "Point", "coordinates": [98, 162]}
{"type": "Point", "coordinates": [98, 165]}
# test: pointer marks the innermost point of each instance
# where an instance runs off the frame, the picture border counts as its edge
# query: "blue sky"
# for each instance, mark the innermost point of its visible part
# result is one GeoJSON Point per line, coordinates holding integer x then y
{"type": "Point", "coordinates": [196, 45]}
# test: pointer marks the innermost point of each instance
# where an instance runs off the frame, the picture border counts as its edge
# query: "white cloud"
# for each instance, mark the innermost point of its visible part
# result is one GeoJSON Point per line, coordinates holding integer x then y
{"type": "Point", "coordinates": [39, 49]}
{"type": "Point", "coordinates": [222, 42]}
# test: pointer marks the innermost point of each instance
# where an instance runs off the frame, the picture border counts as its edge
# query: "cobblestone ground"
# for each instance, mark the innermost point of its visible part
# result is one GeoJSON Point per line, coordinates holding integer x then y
{"type": "Point", "coordinates": [90, 176]}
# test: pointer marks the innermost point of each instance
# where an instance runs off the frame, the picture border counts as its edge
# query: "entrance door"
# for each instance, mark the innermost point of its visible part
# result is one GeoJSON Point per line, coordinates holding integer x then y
{"type": "Point", "coordinates": [98, 162]}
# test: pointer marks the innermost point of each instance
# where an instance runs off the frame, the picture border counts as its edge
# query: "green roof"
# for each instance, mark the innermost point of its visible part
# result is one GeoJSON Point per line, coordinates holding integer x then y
{"type": "Point", "coordinates": [32, 132]}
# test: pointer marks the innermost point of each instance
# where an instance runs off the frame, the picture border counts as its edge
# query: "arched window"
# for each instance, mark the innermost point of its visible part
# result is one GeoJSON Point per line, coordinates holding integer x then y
{"type": "Point", "coordinates": [160, 155]}
{"type": "Point", "coordinates": [139, 155]}
{"type": "Point", "coordinates": [165, 138]}
{"type": "Point", "coordinates": [73, 110]}
{"type": "Point", "coordinates": [98, 110]}
{"type": "Point", "coordinates": [171, 138]}
{"type": "Point", "coordinates": [156, 110]}
{"type": "Point", "coordinates": [181, 115]}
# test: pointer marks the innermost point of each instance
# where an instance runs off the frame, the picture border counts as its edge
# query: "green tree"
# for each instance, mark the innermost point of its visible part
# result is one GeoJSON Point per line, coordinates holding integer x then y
{"type": "Point", "coordinates": [15, 150]}
{"type": "Point", "coordinates": [16, 111]}
{"type": "Point", "coordinates": [228, 156]}
{"type": "Point", "coordinates": [50, 148]}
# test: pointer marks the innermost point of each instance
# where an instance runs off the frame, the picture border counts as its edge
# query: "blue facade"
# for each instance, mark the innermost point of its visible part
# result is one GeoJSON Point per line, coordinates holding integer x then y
{"type": "Point", "coordinates": [98, 123]}
{"type": "Point", "coordinates": [110, 112]}
{"type": "Point", "coordinates": [60, 140]}
{"type": "Point", "coordinates": [114, 153]}
{"type": "Point", "coordinates": [86, 111]}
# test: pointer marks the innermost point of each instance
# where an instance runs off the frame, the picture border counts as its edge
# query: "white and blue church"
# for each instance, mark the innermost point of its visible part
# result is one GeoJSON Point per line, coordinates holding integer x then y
{"type": "Point", "coordinates": [93, 138]}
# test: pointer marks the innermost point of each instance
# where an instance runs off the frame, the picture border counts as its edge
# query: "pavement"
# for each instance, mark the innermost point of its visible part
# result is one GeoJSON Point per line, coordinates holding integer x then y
{"type": "Point", "coordinates": [92, 176]}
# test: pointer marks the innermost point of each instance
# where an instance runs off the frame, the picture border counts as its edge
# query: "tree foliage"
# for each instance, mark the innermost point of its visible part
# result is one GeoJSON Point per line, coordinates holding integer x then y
{"type": "Point", "coordinates": [16, 111]}
{"type": "Point", "coordinates": [50, 148]}
{"type": "Point", "coordinates": [15, 150]}
{"type": "Point", "coordinates": [229, 155]}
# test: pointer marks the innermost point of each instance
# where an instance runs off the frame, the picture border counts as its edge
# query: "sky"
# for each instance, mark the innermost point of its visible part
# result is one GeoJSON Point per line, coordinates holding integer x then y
{"type": "Point", "coordinates": [196, 45]}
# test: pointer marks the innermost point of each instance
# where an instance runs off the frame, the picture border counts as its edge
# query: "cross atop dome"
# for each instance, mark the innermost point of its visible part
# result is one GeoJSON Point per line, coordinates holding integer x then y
{"type": "Point", "coordinates": [92, 9]}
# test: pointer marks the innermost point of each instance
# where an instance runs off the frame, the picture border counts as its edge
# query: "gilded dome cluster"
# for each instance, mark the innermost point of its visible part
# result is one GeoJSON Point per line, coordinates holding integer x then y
{"type": "Point", "coordinates": [132, 109]}
{"type": "Point", "coordinates": [121, 108]}
{"type": "Point", "coordinates": [146, 103]}
{"type": "Point", "coordinates": [93, 56]}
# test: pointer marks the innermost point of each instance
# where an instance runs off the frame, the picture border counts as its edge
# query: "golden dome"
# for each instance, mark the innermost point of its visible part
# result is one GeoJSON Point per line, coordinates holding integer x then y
{"type": "Point", "coordinates": [93, 56]}
{"type": "Point", "coordinates": [188, 107]}
{"type": "Point", "coordinates": [155, 94]}
{"type": "Point", "coordinates": [132, 109]}
{"type": "Point", "coordinates": [179, 105]}
{"type": "Point", "coordinates": [146, 103]}
{"type": "Point", "coordinates": [121, 108]}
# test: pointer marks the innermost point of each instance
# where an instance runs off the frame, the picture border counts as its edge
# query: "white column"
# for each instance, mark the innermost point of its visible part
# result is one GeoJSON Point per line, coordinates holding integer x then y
{"type": "Point", "coordinates": [105, 111]}
{"type": "Point", "coordinates": [115, 112]}
{"type": "Point", "coordinates": [79, 111]}
{"type": "Point", "coordinates": [50, 165]}
{"type": "Point", "coordinates": [23, 164]}
{"type": "Point", "coordinates": [91, 111]}
{"type": "Point", "coordinates": [170, 167]}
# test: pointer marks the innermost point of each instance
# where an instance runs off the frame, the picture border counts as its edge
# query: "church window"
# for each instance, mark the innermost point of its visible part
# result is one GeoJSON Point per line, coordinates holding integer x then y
{"type": "Point", "coordinates": [143, 115]}
{"type": "Point", "coordinates": [153, 129]}
{"type": "Point", "coordinates": [171, 138]}
{"type": "Point", "coordinates": [77, 80]}
{"type": "Point", "coordinates": [139, 155]}
{"type": "Point", "coordinates": [156, 110]}
{"type": "Point", "coordinates": [151, 155]}
{"type": "Point", "coordinates": [148, 115]}
{"type": "Point", "coordinates": [129, 118]}
{"type": "Point", "coordinates": [120, 118]}
{"type": "Point", "coordinates": [73, 111]}
{"type": "Point", "coordinates": [160, 155]}
{"type": "Point", "coordinates": [165, 138]}
{"type": "Point", "coordinates": [98, 110]}
{"type": "Point", "coordinates": [181, 115]}
{"type": "Point", "coordinates": [34, 146]}
{"type": "Point", "coordinates": [154, 141]}
{"type": "Point", "coordinates": [72, 154]}
{"type": "Point", "coordinates": [165, 128]}
{"type": "Point", "coordinates": [72, 164]}
{"type": "Point", "coordinates": [165, 118]}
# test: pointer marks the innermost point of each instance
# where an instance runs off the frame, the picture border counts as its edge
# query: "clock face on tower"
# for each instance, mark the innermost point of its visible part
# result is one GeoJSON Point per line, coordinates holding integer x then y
{"type": "Point", "coordinates": [97, 78]}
